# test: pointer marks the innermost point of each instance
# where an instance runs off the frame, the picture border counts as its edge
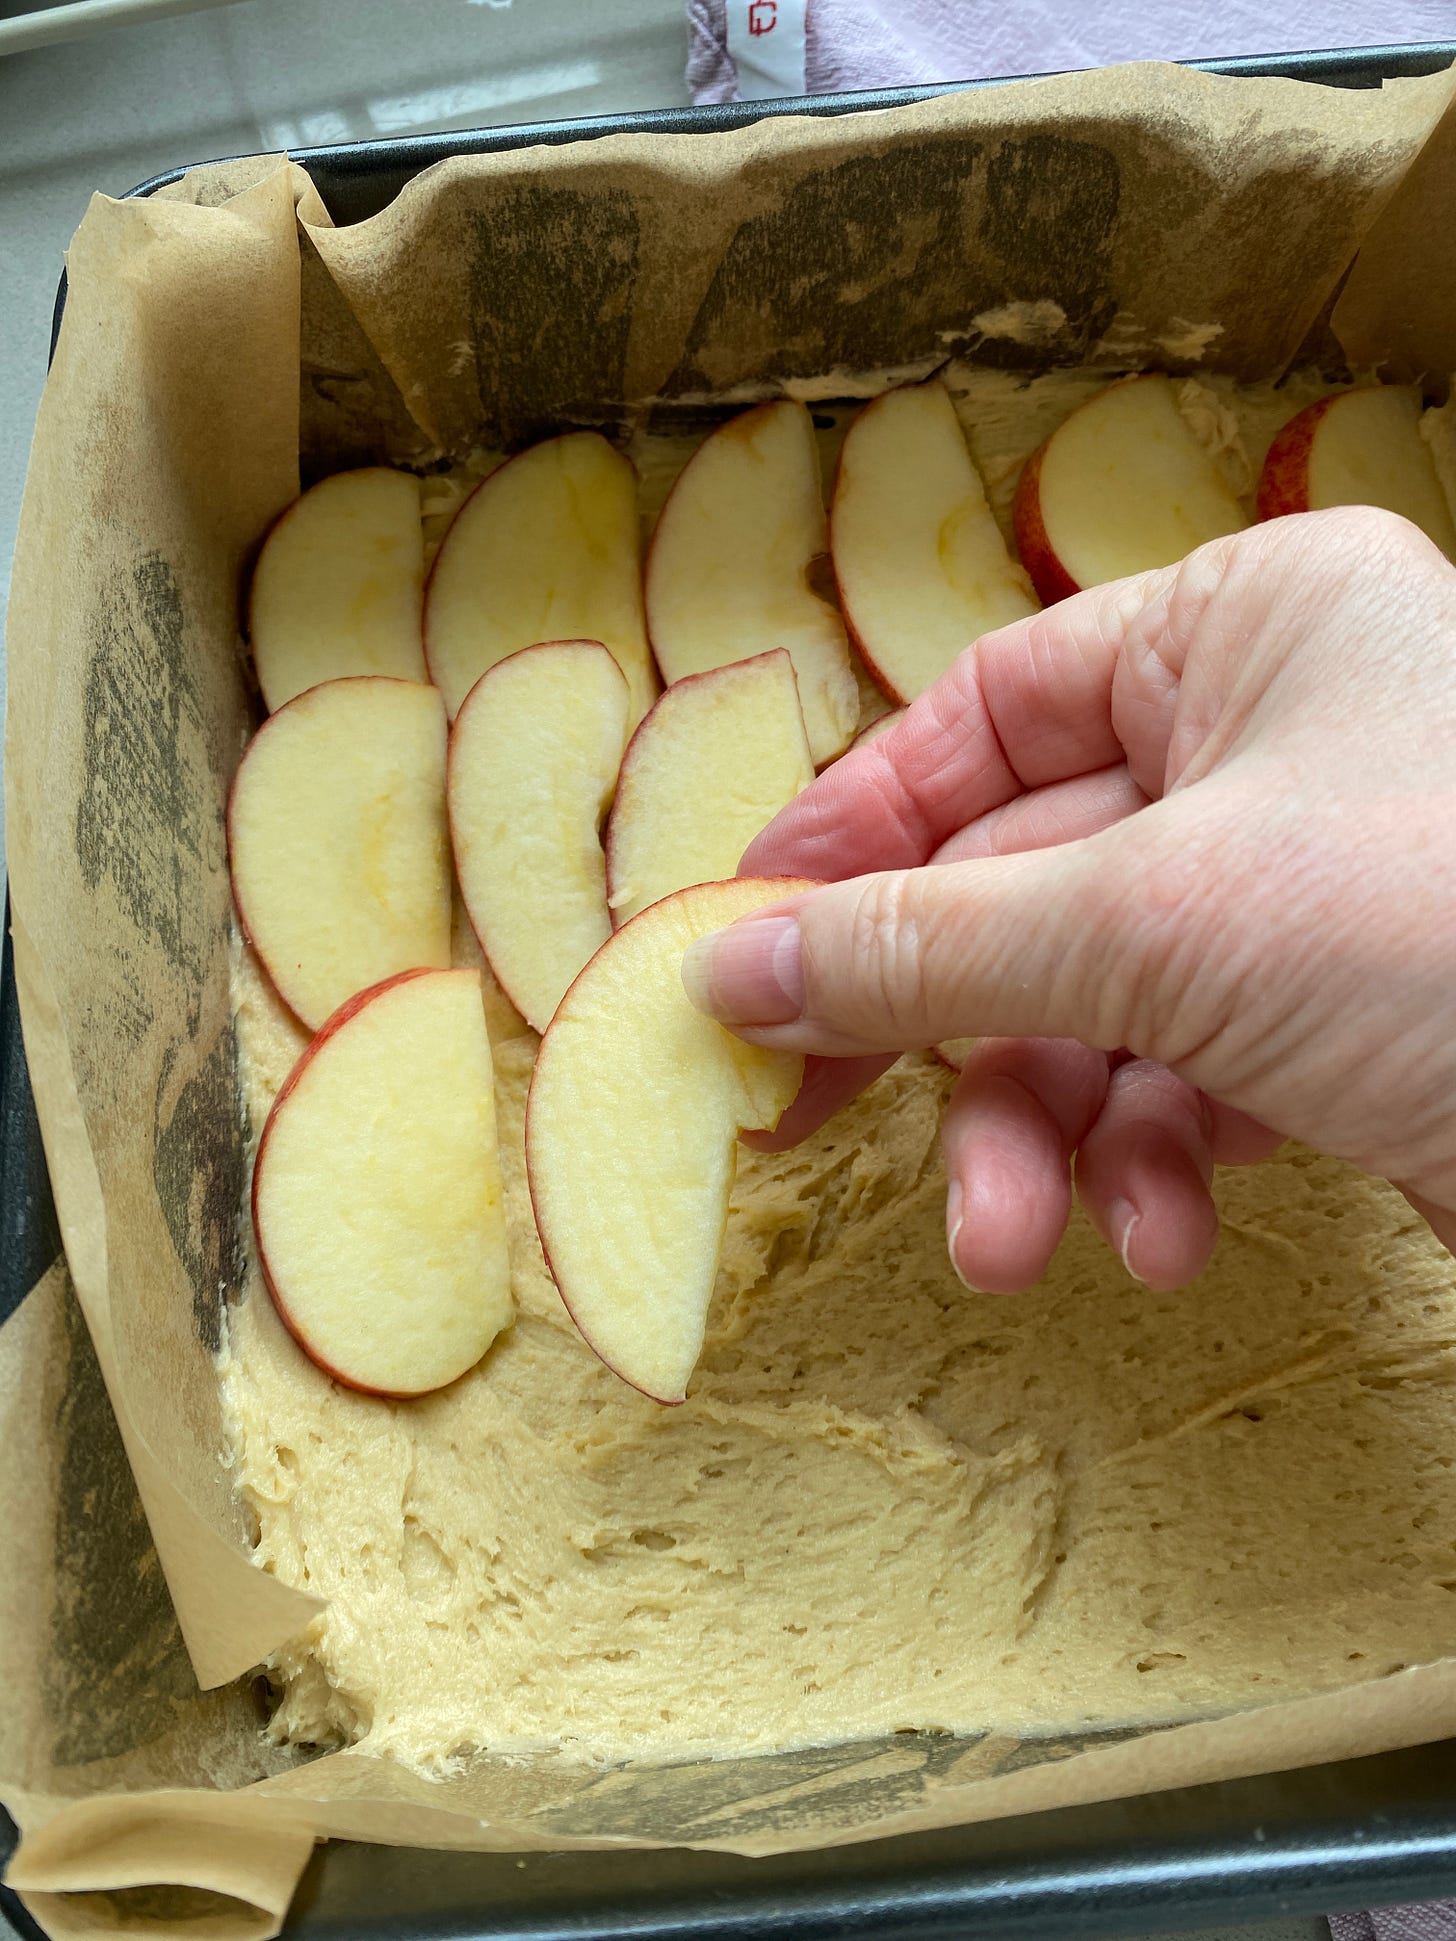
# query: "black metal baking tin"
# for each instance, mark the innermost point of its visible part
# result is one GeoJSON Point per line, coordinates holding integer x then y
{"type": "Point", "coordinates": [1361, 1833]}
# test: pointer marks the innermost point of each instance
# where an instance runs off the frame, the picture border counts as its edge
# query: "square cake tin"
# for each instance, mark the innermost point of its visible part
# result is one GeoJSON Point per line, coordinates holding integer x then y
{"type": "Point", "coordinates": [1361, 1833]}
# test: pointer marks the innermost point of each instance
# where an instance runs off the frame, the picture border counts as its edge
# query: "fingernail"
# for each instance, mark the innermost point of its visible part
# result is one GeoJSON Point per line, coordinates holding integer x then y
{"type": "Point", "coordinates": [1122, 1219]}
{"type": "Point", "coordinates": [955, 1214]}
{"type": "Point", "coordinates": [750, 974]}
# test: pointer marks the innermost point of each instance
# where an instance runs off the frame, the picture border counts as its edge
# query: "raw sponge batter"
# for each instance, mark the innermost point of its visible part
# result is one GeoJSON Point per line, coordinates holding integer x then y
{"type": "Point", "coordinates": [887, 1502]}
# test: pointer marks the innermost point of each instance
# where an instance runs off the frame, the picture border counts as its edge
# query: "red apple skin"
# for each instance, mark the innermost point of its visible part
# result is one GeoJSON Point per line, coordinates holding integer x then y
{"type": "Point", "coordinates": [326, 1030]}
{"type": "Point", "coordinates": [793, 886]}
{"type": "Point", "coordinates": [1050, 578]}
{"type": "Point", "coordinates": [240, 912]}
{"type": "Point", "coordinates": [511, 997]}
{"type": "Point", "coordinates": [740, 417]}
{"type": "Point", "coordinates": [608, 846]}
{"type": "Point", "coordinates": [876, 673]}
{"type": "Point", "coordinates": [882, 724]}
{"type": "Point", "coordinates": [1284, 481]}
{"type": "Point", "coordinates": [870, 664]}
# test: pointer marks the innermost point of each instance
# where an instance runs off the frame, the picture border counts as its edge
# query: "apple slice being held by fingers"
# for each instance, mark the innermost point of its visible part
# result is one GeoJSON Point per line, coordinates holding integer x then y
{"type": "Point", "coordinates": [377, 1193]}
{"type": "Point", "coordinates": [337, 840]}
{"type": "Point", "coordinates": [1358, 448]}
{"type": "Point", "coordinates": [881, 725]}
{"type": "Point", "coordinates": [709, 768]}
{"type": "Point", "coordinates": [547, 548]}
{"type": "Point", "coordinates": [1121, 486]}
{"type": "Point", "coordinates": [533, 758]}
{"type": "Point", "coordinates": [920, 562]}
{"type": "Point", "coordinates": [632, 1123]}
{"type": "Point", "coordinates": [954, 1052]}
{"type": "Point", "coordinates": [336, 590]}
{"type": "Point", "coordinates": [728, 567]}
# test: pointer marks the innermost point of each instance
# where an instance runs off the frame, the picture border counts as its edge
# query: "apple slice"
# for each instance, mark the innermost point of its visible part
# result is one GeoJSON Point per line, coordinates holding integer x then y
{"type": "Point", "coordinates": [711, 766]}
{"type": "Point", "coordinates": [338, 843]}
{"type": "Point", "coordinates": [336, 590]}
{"type": "Point", "coordinates": [547, 548]}
{"type": "Point", "coordinates": [1121, 486]}
{"type": "Point", "coordinates": [881, 725]}
{"type": "Point", "coordinates": [534, 755]}
{"type": "Point", "coordinates": [920, 563]}
{"type": "Point", "coordinates": [1358, 448]}
{"type": "Point", "coordinates": [954, 1052]}
{"type": "Point", "coordinates": [631, 1127]}
{"type": "Point", "coordinates": [377, 1192]}
{"type": "Point", "coordinates": [728, 567]}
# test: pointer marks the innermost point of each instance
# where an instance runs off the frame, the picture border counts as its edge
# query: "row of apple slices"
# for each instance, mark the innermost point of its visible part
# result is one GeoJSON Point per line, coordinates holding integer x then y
{"type": "Point", "coordinates": [644, 1314]}
{"type": "Point", "coordinates": [377, 1200]}
{"type": "Point", "coordinates": [547, 548]}
{"type": "Point", "coordinates": [339, 848]}
{"type": "Point", "coordinates": [350, 798]}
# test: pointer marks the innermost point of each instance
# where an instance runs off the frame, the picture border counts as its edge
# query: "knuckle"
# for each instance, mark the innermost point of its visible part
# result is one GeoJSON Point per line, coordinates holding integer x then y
{"type": "Point", "coordinates": [886, 937]}
{"type": "Point", "coordinates": [1150, 954]}
{"type": "Point", "coordinates": [1365, 528]}
{"type": "Point", "coordinates": [1332, 548]}
{"type": "Point", "coordinates": [1148, 1097]}
{"type": "Point", "coordinates": [1199, 576]}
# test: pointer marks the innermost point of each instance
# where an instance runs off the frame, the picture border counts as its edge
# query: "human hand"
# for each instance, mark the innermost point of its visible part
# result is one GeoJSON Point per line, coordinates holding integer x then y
{"type": "Point", "coordinates": [1205, 817]}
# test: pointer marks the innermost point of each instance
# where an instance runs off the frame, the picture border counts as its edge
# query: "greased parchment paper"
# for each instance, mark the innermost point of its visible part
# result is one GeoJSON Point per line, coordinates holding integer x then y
{"type": "Point", "coordinates": [215, 338]}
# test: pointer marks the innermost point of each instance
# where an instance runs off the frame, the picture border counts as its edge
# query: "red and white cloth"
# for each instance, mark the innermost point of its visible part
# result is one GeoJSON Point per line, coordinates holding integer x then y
{"type": "Point", "coordinates": [747, 50]}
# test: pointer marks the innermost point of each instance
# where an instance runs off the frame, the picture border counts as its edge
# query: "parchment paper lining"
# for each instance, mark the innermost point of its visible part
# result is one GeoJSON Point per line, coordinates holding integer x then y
{"type": "Point", "coordinates": [218, 337]}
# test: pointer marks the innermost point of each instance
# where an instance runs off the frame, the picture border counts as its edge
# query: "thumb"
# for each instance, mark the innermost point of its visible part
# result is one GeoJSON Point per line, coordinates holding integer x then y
{"type": "Point", "coordinates": [1026, 945]}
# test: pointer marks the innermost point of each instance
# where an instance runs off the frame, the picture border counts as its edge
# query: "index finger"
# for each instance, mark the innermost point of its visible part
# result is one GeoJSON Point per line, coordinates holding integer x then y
{"type": "Point", "coordinates": [1022, 707]}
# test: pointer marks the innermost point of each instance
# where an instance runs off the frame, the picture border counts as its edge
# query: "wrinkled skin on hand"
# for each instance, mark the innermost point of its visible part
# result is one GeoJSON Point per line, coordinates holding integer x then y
{"type": "Point", "coordinates": [1181, 852]}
